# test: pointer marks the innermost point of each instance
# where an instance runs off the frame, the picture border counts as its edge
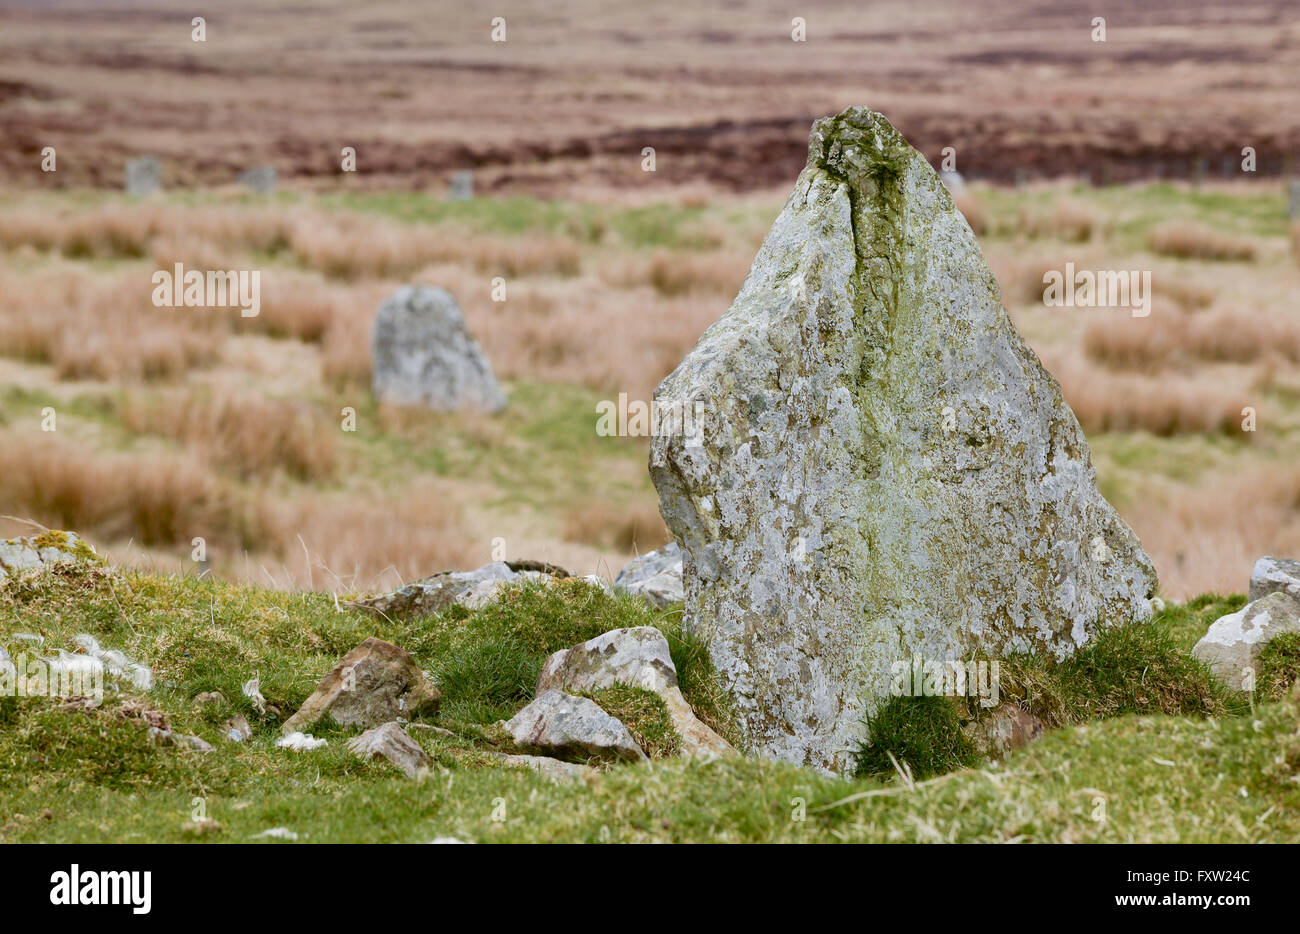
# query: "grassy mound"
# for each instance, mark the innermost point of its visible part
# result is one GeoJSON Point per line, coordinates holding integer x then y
{"type": "Point", "coordinates": [1165, 764]}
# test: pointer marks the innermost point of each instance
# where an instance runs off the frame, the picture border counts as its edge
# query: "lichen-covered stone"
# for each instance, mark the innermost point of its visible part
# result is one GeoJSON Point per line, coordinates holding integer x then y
{"type": "Point", "coordinates": [655, 575]}
{"type": "Point", "coordinates": [1271, 575]}
{"type": "Point", "coordinates": [424, 355]}
{"type": "Point", "coordinates": [1232, 645]}
{"type": "Point", "coordinates": [470, 589]}
{"type": "Point", "coordinates": [562, 724]}
{"type": "Point", "coordinates": [884, 467]}
{"type": "Point", "coordinates": [48, 549]}
{"type": "Point", "coordinates": [389, 741]}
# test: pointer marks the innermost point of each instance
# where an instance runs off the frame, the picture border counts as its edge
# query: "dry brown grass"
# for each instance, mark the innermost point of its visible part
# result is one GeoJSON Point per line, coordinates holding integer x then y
{"type": "Point", "coordinates": [972, 210]}
{"type": "Point", "coordinates": [1221, 336]}
{"type": "Point", "coordinates": [1206, 538]}
{"type": "Point", "coordinates": [1066, 220]}
{"type": "Point", "coordinates": [1165, 406]}
{"type": "Point", "coordinates": [248, 436]}
{"type": "Point", "coordinates": [1188, 240]}
{"type": "Point", "coordinates": [637, 528]}
{"type": "Point", "coordinates": [1129, 343]}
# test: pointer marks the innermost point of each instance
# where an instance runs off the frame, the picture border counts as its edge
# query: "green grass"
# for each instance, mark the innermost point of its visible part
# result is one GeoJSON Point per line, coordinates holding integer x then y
{"type": "Point", "coordinates": [1279, 667]}
{"type": "Point", "coordinates": [93, 775]}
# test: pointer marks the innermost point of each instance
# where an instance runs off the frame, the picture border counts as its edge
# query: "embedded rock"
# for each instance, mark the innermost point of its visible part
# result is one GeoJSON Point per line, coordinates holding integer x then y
{"type": "Point", "coordinates": [1271, 575]}
{"type": "Point", "coordinates": [393, 743]}
{"type": "Point", "coordinates": [424, 355]}
{"type": "Point", "coordinates": [375, 683]}
{"type": "Point", "coordinates": [655, 575]}
{"type": "Point", "coordinates": [884, 467]}
{"type": "Point", "coordinates": [1233, 643]}
{"type": "Point", "coordinates": [470, 589]}
{"type": "Point", "coordinates": [638, 656]}
{"type": "Point", "coordinates": [46, 550]}
{"type": "Point", "coordinates": [560, 723]}
{"type": "Point", "coordinates": [554, 769]}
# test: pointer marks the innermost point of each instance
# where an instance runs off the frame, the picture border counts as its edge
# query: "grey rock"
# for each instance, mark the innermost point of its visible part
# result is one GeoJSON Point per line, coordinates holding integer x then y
{"type": "Point", "coordinates": [424, 355]}
{"type": "Point", "coordinates": [563, 724]}
{"type": "Point", "coordinates": [375, 683]}
{"type": "Point", "coordinates": [884, 467]}
{"type": "Point", "coordinates": [471, 589]}
{"type": "Point", "coordinates": [655, 575]}
{"type": "Point", "coordinates": [393, 743]}
{"type": "Point", "coordinates": [462, 185]}
{"type": "Point", "coordinates": [1233, 643]}
{"type": "Point", "coordinates": [638, 656]}
{"type": "Point", "coordinates": [1271, 575]}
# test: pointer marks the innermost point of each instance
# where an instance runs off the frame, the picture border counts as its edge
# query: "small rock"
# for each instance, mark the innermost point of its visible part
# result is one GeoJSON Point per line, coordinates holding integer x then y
{"type": "Point", "coordinates": [393, 743]}
{"type": "Point", "coordinates": [554, 769]}
{"type": "Point", "coordinates": [1271, 575]}
{"type": "Point", "coordinates": [276, 833]}
{"type": "Point", "coordinates": [375, 683]}
{"type": "Point", "coordinates": [638, 656]}
{"type": "Point", "coordinates": [209, 698]}
{"type": "Point", "coordinates": [1007, 728]}
{"type": "Point", "coordinates": [1233, 643]}
{"type": "Point", "coordinates": [424, 355]}
{"type": "Point", "coordinates": [656, 576]}
{"type": "Point", "coordinates": [561, 723]}
{"type": "Point", "coordinates": [201, 827]}
{"type": "Point", "coordinates": [237, 729]}
{"type": "Point", "coordinates": [300, 742]}
{"type": "Point", "coordinates": [441, 840]}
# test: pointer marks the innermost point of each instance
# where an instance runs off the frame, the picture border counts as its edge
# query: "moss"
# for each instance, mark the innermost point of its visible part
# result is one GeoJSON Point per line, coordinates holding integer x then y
{"type": "Point", "coordinates": [923, 733]}
{"type": "Point", "coordinates": [68, 544]}
{"type": "Point", "coordinates": [644, 714]}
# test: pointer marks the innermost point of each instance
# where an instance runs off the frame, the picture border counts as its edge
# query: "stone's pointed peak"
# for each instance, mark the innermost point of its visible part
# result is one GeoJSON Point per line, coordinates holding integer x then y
{"type": "Point", "coordinates": [858, 146]}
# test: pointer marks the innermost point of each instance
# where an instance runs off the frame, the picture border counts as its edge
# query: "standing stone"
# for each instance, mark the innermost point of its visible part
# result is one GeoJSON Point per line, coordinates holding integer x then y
{"type": "Point", "coordinates": [887, 469]}
{"type": "Point", "coordinates": [424, 355]}
{"type": "Point", "coordinates": [260, 178]}
{"type": "Point", "coordinates": [143, 176]}
{"type": "Point", "coordinates": [462, 186]}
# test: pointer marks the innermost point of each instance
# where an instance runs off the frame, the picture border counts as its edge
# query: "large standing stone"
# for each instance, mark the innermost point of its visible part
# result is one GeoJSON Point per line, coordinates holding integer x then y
{"type": "Point", "coordinates": [424, 355]}
{"type": "Point", "coordinates": [1232, 645]}
{"type": "Point", "coordinates": [885, 467]}
{"type": "Point", "coordinates": [375, 683]}
{"type": "Point", "coordinates": [1270, 575]}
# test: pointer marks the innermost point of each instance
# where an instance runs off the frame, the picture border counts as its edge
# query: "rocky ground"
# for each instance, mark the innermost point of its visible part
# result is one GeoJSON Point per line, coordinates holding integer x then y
{"type": "Point", "coordinates": [235, 713]}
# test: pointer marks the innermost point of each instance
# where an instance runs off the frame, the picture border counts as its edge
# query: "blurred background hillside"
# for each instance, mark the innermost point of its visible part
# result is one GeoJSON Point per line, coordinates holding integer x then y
{"type": "Point", "coordinates": [181, 423]}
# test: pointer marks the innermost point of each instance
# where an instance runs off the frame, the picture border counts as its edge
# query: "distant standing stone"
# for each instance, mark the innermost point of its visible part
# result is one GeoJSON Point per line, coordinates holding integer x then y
{"type": "Point", "coordinates": [260, 178]}
{"type": "Point", "coordinates": [424, 355]}
{"type": "Point", "coordinates": [143, 176]}
{"type": "Point", "coordinates": [462, 186]}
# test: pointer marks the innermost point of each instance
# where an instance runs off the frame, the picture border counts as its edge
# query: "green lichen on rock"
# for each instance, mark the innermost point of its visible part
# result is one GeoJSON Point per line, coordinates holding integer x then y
{"type": "Point", "coordinates": [885, 467]}
{"type": "Point", "coordinates": [48, 549]}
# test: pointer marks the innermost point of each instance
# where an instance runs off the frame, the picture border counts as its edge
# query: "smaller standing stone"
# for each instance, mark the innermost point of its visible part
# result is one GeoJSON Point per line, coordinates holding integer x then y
{"type": "Point", "coordinates": [260, 178]}
{"type": "Point", "coordinates": [375, 683]}
{"type": "Point", "coordinates": [393, 743]}
{"type": "Point", "coordinates": [425, 356]}
{"type": "Point", "coordinates": [143, 176]}
{"type": "Point", "coordinates": [462, 186]}
{"type": "Point", "coordinates": [561, 723]}
{"type": "Point", "coordinates": [1273, 575]}
{"type": "Point", "coordinates": [1232, 646]}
